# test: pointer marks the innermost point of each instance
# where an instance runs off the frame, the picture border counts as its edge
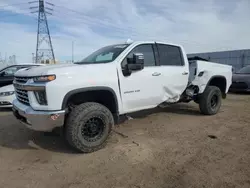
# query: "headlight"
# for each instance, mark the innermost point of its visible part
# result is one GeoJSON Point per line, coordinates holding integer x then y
{"type": "Point", "coordinates": [7, 93]}
{"type": "Point", "coordinates": [47, 78]}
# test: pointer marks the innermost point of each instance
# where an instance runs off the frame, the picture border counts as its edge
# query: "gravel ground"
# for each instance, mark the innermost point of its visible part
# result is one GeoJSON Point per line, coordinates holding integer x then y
{"type": "Point", "coordinates": [171, 147]}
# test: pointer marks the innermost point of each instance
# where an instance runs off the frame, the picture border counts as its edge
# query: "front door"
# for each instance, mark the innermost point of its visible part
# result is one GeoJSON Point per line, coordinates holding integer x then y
{"type": "Point", "coordinates": [141, 89]}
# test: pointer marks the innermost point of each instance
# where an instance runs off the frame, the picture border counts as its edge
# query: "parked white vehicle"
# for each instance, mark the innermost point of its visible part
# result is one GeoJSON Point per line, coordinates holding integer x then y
{"type": "Point", "coordinates": [7, 96]}
{"type": "Point", "coordinates": [87, 98]}
{"type": "Point", "coordinates": [7, 91]}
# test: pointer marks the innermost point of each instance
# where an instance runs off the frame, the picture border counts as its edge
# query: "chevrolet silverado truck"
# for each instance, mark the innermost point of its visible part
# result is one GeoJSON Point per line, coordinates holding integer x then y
{"type": "Point", "coordinates": [86, 99]}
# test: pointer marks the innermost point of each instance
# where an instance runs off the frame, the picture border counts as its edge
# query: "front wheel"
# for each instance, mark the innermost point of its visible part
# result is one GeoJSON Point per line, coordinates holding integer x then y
{"type": "Point", "coordinates": [88, 127]}
{"type": "Point", "coordinates": [210, 100]}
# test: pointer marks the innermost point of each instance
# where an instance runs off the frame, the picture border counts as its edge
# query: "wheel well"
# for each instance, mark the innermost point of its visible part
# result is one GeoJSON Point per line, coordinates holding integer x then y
{"type": "Point", "coordinates": [219, 82]}
{"type": "Point", "coordinates": [104, 97]}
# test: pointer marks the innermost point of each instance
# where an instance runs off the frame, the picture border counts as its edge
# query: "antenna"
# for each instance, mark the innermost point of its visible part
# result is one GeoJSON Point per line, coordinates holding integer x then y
{"type": "Point", "coordinates": [129, 41]}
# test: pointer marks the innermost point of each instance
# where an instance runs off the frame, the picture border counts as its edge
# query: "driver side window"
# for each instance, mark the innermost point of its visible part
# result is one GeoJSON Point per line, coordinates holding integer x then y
{"type": "Point", "coordinates": [147, 51]}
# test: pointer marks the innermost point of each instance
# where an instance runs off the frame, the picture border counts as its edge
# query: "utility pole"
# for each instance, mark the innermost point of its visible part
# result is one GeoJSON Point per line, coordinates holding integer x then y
{"type": "Point", "coordinates": [14, 59]}
{"type": "Point", "coordinates": [33, 58]}
{"type": "Point", "coordinates": [5, 58]}
{"type": "Point", "coordinates": [72, 51]}
{"type": "Point", "coordinates": [43, 34]}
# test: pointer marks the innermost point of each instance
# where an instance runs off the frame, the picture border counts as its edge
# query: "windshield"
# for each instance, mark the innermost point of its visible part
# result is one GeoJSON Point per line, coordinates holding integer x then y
{"type": "Point", "coordinates": [244, 70]}
{"type": "Point", "coordinates": [104, 55]}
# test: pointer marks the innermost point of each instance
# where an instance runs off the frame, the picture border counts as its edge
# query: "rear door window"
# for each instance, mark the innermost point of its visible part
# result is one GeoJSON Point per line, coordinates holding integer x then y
{"type": "Point", "coordinates": [170, 55]}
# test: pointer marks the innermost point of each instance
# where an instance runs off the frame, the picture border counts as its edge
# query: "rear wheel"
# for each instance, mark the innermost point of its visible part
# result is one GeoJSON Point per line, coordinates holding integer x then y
{"type": "Point", "coordinates": [88, 127]}
{"type": "Point", "coordinates": [210, 100]}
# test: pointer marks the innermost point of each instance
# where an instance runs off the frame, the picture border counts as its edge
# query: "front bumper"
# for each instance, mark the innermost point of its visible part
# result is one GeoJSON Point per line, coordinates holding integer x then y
{"type": "Point", "coordinates": [44, 121]}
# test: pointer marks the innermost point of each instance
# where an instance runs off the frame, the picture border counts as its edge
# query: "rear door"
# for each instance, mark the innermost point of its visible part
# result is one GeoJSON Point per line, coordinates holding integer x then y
{"type": "Point", "coordinates": [174, 72]}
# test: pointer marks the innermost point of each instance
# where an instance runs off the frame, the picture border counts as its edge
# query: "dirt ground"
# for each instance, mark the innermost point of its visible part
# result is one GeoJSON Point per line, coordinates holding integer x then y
{"type": "Point", "coordinates": [171, 147]}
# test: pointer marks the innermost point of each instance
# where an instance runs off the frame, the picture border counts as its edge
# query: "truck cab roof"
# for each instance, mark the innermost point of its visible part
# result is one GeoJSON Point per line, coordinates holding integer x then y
{"type": "Point", "coordinates": [152, 42]}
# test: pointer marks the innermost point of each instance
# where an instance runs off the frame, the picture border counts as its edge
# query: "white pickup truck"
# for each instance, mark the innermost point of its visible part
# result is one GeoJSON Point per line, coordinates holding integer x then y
{"type": "Point", "coordinates": [86, 98]}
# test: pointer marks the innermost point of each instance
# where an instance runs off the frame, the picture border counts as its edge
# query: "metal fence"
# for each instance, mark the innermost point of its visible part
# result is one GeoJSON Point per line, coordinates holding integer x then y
{"type": "Point", "coordinates": [236, 58]}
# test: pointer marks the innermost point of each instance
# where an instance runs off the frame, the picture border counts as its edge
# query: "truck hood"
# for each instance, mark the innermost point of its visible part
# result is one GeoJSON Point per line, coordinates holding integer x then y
{"type": "Point", "coordinates": [42, 70]}
{"type": "Point", "coordinates": [7, 88]}
{"type": "Point", "coordinates": [241, 77]}
{"type": "Point", "coordinates": [72, 70]}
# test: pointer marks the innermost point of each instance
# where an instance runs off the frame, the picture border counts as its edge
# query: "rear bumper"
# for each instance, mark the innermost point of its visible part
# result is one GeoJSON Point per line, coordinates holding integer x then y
{"type": "Point", "coordinates": [44, 121]}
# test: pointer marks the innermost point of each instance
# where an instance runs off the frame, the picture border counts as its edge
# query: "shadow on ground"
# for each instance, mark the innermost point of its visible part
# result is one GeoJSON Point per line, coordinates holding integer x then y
{"type": "Point", "coordinates": [5, 110]}
{"type": "Point", "coordinates": [181, 108]}
{"type": "Point", "coordinates": [14, 135]}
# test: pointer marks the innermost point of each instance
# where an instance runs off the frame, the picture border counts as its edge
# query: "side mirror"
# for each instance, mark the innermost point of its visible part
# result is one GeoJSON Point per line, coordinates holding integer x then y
{"type": "Point", "coordinates": [136, 62]}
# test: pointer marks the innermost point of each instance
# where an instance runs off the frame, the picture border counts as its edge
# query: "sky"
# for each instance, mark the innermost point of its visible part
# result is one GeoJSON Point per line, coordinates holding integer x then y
{"type": "Point", "coordinates": [200, 26]}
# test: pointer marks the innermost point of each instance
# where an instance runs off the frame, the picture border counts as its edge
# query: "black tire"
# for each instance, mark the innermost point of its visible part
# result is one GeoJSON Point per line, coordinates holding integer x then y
{"type": "Point", "coordinates": [78, 127]}
{"type": "Point", "coordinates": [210, 100]}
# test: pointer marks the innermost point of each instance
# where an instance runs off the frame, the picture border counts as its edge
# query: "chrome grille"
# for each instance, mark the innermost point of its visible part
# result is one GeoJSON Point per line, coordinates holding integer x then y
{"type": "Point", "coordinates": [22, 96]}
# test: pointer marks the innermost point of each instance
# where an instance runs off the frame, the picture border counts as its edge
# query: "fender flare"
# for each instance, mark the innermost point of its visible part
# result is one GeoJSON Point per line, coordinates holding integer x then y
{"type": "Point", "coordinates": [224, 95]}
{"type": "Point", "coordinates": [81, 90]}
{"type": "Point", "coordinates": [219, 76]}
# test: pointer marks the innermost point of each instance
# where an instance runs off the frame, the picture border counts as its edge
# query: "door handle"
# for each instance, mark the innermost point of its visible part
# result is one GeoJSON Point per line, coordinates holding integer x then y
{"type": "Point", "coordinates": [156, 74]}
{"type": "Point", "coordinates": [184, 73]}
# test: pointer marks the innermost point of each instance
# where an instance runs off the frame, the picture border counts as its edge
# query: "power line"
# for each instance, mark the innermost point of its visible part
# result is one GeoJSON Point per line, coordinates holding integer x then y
{"type": "Point", "coordinates": [13, 14]}
{"type": "Point", "coordinates": [11, 5]}
{"type": "Point", "coordinates": [96, 22]}
{"type": "Point", "coordinates": [9, 12]}
{"type": "Point", "coordinates": [132, 31]}
{"type": "Point", "coordinates": [90, 18]}
{"type": "Point", "coordinates": [90, 21]}
{"type": "Point", "coordinates": [16, 9]}
{"type": "Point", "coordinates": [2, 18]}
